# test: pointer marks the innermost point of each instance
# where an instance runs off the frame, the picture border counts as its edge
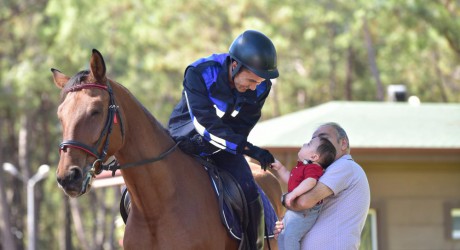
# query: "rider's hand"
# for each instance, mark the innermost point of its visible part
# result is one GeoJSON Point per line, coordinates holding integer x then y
{"type": "Point", "coordinates": [189, 145]}
{"type": "Point", "coordinates": [263, 156]}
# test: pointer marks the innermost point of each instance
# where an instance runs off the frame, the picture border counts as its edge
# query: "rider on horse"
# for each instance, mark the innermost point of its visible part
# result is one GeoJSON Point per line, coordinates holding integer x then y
{"type": "Point", "coordinates": [222, 99]}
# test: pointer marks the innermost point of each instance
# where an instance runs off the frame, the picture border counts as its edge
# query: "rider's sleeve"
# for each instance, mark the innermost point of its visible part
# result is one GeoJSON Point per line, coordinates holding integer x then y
{"type": "Point", "coordinates": [204, 115]}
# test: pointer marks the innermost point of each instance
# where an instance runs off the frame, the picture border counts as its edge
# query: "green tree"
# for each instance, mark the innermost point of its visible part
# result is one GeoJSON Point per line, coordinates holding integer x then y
{"type": "Point", "coordinates": [328, 50]}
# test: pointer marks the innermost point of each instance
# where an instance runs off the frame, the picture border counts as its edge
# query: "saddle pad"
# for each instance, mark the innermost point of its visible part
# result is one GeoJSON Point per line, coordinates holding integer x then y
{"type": "Point", "coordinates": [233, 225]}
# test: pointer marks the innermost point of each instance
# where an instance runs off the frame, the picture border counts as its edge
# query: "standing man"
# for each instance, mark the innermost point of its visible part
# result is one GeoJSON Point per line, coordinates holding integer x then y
{"type": "Point", "coordinates": [346, 194]}
{"type": "Point", "coordinates": [221, 102]}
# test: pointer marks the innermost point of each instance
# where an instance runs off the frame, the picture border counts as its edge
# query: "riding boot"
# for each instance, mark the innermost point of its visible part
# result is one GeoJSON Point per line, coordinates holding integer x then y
{"type": "Point", "coordinates": [256, 224]}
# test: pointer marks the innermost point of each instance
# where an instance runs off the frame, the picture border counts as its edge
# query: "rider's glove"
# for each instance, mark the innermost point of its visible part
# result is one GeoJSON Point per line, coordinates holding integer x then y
{"type": "Point", "coordinates": [186, 145]}
{"type": "Point", "coordinates": [263, 156]}
{"type": "Point", "coordinates": [191, 145]}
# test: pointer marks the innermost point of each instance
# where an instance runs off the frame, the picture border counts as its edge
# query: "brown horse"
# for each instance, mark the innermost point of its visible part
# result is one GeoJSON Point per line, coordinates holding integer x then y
{"type": "Point", "coordinates": [173, 203]}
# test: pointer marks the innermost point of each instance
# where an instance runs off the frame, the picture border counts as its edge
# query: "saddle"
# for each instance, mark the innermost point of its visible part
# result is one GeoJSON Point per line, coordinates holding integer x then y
{"type": "Point", "coordinates": [232, 203]}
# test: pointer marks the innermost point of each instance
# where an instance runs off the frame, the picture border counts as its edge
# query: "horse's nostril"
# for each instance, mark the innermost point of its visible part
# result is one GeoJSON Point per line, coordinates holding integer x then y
{"type": "Point", "coordinates": [73, 175]}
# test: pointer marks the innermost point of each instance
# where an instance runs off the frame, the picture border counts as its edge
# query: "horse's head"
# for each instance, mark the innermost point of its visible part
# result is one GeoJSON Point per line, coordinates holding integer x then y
{"type": "Point", "coordinates": [91, 125]}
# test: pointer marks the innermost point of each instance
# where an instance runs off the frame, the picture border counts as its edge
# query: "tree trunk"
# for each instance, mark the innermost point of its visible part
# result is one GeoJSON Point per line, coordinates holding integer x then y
{"type": "Point", "coordinates": [76, 216]}
{"type": "Point", "coordinates": [441, 82]}
{"type": "Point", "coordinates": [8, 241]}
{"type": "Point", "coordinates": [23, 146]}
{"type": "Point", "coordinates": [98, 207]}
{"type": "Point", "coordinates": [349, 73]}
{"type": "Point", "coordinates": [275, 100]}
{"type": "Point", "coordinates": [372, 60]}
{"type": "Point", "coordinates": [332, 63]}
{"type": "Point", "coordinates": [114, 212]}
{"type": "Point", "coordinates": [66, 235]}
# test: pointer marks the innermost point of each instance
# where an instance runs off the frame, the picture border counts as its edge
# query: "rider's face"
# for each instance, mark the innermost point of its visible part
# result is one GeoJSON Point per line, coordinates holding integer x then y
{"type": "Point", "coordinates": [245, 80]}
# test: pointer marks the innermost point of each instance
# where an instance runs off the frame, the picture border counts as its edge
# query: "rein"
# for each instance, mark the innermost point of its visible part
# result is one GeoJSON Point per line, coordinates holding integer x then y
{"type": "Point", "coordinates": [111, 119]}
{"type": "Point", "coordinates": [115, 167]}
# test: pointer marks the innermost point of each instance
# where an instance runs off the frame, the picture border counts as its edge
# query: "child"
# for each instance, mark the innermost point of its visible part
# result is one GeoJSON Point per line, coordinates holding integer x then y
{"type": "Point", "coordinates": [314, 157]}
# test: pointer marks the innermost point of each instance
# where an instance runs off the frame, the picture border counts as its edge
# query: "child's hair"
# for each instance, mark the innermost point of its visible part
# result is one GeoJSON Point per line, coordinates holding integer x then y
{"type": "Point", "coordinates": [326, 151]}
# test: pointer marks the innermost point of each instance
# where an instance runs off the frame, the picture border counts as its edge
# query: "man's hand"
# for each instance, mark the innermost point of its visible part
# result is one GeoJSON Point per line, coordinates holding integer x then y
{"type": "Point", "coordinates": [194, 145]}
{"type": "Point", "coordinates": [289, 198]}
{"type": "Point", "coordinates": [263, 156]}
{"type": "Point", "coordinates": [278, 228]}
{"type": "Point", "coordinates": [186, 145]}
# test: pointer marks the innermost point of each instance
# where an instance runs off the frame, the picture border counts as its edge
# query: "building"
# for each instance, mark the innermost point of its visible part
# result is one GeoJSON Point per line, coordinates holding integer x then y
{"type": "Point", "coordinates": [411, 155]}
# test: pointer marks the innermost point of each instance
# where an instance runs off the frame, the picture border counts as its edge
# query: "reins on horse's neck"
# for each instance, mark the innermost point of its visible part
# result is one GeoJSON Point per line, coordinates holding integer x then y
{"type": "Point", "coordinates": [115, 167]}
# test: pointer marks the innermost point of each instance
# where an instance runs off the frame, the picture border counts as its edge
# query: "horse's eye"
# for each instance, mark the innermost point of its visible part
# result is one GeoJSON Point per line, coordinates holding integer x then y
{"type": "Point", "coordinates": [95, 113]}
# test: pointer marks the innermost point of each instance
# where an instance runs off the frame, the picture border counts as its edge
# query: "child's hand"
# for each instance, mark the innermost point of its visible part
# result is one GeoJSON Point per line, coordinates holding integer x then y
{"type": "Point", "coordinates": [276, 165]}
{"type": "Point", "coordinates": [289, 198]}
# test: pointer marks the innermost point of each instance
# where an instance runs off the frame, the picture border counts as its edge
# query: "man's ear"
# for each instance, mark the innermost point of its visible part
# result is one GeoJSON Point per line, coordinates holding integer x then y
{"type": "Point", "coordinates": [343, 144]}
{"type": "Point", "coordinates": [234, 64]}
{"type": "Point", "coordinates": [314, 157]}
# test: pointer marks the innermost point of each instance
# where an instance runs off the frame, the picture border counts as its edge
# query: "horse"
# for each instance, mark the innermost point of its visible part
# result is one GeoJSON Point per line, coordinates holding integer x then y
{"type": "Point", "coordinates": [173, 203]}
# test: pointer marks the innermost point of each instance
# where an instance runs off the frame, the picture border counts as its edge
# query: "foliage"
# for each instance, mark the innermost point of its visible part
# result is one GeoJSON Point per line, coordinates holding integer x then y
{"type": "Point", "coordinates": [147, 44]}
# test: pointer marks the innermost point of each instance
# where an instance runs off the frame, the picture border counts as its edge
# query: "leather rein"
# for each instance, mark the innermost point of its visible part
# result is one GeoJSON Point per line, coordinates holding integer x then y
{"type": "Point", "coordinates": [113, 117]}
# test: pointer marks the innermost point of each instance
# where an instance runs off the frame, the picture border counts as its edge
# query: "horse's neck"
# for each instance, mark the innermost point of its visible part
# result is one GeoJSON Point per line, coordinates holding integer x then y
{"type": "Point", "coordinates": [144, 138]}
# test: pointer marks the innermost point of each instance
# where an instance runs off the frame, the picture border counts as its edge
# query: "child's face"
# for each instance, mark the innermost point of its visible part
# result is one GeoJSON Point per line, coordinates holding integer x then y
{"type": "Point", "coordinates": [308, 150]}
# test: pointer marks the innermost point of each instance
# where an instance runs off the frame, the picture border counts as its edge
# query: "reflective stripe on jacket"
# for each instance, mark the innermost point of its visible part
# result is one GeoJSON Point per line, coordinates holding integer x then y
{"type": "Point", "coordinates": [210, 107]}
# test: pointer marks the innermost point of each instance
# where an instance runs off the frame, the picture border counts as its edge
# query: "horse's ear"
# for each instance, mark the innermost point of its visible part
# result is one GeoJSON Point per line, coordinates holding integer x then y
{"type": "Point", "coordinates": [97, 66]}
{"type": "Point", "coordinates": [59, 79]}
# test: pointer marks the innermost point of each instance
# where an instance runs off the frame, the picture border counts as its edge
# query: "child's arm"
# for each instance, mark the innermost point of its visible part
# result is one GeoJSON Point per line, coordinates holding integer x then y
{"type": "Point", "coordinates": [283, 173]}
{"type": "Point", "coordinates": [302, 188]}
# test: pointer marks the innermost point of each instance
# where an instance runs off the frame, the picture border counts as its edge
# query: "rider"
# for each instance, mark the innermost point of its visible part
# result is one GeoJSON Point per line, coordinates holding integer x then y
{"type": "Point", "coordinates": [222, 99]}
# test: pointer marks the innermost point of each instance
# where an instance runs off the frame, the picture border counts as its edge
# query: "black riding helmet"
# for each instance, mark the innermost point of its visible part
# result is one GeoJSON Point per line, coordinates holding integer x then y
{"type": "Point", "coordinates": [255, 51]}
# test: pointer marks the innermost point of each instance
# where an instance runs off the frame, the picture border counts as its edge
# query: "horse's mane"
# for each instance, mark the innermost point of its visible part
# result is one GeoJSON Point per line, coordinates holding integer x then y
{"type": "Point", "coordinates": [146, 111]}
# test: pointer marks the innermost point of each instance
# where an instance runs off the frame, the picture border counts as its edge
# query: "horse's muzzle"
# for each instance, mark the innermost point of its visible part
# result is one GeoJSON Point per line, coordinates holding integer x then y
{"type": "Point", "coordinates": [71, 182]}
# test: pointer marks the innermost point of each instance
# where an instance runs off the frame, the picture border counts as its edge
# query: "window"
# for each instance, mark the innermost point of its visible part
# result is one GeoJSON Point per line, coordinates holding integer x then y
{"type": "Point", "coordinates": [369, 234]}
{"type": "Point", "coordinates": [455, 217]}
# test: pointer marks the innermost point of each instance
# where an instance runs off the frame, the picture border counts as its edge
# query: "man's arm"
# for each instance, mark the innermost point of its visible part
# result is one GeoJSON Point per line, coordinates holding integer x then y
{"type": "Point", "coordinates": [302, 188]}
{"type": "Point", "coordinates": [204, 116]}
{"type": "Point", "coordinates": [309, 199]}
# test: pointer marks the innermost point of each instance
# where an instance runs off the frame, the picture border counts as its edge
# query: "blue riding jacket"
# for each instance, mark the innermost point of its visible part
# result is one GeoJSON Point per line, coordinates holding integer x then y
{"type": "Point", "coordinates": [212, 108]}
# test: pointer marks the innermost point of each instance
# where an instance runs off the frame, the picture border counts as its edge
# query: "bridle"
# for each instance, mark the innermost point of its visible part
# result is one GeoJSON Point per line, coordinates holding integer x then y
{"type": "Point", "coordinates": [113, 117]}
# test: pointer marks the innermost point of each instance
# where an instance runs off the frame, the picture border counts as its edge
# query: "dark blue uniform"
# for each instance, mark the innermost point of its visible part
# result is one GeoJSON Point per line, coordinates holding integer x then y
{"type": "Point", "coordinates": [220, 114]}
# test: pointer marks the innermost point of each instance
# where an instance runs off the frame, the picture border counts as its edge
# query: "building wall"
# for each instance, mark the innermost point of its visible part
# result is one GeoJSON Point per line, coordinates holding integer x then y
{"type": "Point", "coordinates": [412, 201]}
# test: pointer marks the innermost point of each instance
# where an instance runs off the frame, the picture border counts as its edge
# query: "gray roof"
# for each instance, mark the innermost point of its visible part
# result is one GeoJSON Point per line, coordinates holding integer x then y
{"type": "Point", "coordinates": [368, 124]}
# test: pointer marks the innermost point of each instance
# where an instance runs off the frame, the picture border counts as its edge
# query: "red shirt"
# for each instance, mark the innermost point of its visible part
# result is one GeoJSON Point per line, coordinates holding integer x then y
{"type": "Point", "coordinates": [303, 171]}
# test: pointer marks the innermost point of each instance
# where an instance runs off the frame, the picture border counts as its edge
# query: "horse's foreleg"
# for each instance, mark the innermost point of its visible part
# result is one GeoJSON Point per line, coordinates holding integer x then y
{"type": "Point", "coordinates": [137, 234]}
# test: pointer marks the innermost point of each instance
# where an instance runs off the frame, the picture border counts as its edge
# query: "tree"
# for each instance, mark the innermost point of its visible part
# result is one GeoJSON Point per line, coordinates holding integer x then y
{"type": "Point", "coordinates": [322, 56]}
